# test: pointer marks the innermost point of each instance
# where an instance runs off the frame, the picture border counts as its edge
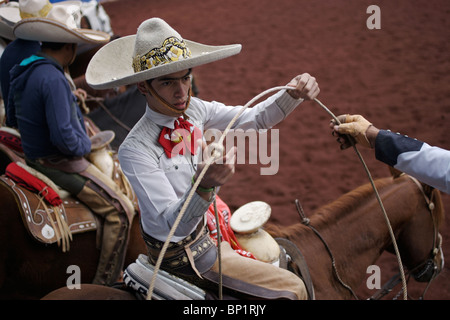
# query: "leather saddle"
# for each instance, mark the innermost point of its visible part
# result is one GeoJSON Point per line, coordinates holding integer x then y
{"type": "Point", "coordinates": [46, 223]}
{"type": "Point", "coordinates": [49, 224]}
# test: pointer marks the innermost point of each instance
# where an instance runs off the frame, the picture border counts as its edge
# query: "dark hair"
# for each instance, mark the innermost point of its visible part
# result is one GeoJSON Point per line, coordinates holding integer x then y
{"type": "Point", "coordinates": [52, 45]}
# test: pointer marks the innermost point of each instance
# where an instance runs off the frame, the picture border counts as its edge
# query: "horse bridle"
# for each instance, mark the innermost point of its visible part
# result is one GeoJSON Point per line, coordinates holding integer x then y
{"type": "Point", "coordinates": [426, 271]}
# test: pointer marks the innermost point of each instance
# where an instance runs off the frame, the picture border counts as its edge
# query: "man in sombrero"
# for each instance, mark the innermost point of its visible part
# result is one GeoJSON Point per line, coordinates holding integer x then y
{"type": "Point", "coordinates": [162, 172]}
{"type": "Point", "coordinates": [53, 132]}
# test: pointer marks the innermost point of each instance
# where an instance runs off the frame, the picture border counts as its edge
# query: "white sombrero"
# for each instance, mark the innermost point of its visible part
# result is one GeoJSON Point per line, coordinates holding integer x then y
{"type": "Point", "coordinates": [59, 25]}
{"type": "Point", "coordinates": [247, 222]}
{"type": "Point", "coordinates": [250, 217]}
{"type": "Point", "coordinates": [13, 12]}
{"type": "Point", "coordinates": [156, 50]}
{"type": "Point", "coordinates": [9, 15]}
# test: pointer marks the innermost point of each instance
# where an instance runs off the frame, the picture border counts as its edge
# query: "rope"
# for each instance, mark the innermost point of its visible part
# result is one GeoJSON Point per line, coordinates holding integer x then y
{"type": "Point", "coordinates": [397, 253]}
{"type": "Point", "coordinates": [216, 153]}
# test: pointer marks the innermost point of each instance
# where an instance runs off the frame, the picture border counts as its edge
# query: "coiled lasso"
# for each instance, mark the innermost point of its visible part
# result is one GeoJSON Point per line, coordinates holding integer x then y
{"type": "Point", "coordinates": [217, 148]}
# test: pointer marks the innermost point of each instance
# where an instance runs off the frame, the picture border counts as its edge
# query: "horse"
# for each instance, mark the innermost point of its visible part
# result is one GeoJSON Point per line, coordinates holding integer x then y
{"type": "Point", "coordinates": [341, 239]}
{"type": "Point", "coordinates": [354, 231]}
{"type": "Point", "coordinates": [29, 269]}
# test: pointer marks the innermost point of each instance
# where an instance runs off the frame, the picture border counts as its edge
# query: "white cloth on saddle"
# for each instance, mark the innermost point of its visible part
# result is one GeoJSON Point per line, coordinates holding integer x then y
{"type": "Point", "coordinates": [139, 274]}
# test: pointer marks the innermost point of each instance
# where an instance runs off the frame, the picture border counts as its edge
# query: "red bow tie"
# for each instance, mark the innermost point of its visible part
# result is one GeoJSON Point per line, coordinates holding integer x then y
{"type": "Point", "coordinates": [183, 131]}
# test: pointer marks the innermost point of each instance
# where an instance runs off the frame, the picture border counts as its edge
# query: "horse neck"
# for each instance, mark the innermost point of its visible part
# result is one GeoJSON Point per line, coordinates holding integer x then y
{"type": "Point", "coordinates": [357, 217]}
{"type": "Point", "coordinates": [355, 228]}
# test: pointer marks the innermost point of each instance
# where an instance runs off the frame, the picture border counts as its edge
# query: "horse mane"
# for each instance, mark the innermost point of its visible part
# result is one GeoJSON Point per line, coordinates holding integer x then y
{"type": "Point", "coordinates": [432, 193]}
{"type": "Point", "coordinates": [349, 201]}
{"type": "Point", "coordinates": [354, 199]}
{"type": "Point", "coordinates": [343, 205]}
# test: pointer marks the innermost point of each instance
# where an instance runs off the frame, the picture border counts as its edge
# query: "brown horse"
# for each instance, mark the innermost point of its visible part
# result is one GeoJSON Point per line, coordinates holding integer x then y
{"type": "Point", "coordinates": [355, 232]}
{"type": "Point", "coordinates": [30, 269]}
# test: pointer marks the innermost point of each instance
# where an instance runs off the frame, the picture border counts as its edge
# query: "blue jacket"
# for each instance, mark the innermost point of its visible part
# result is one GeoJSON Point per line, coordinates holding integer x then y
{"type": "Point", "coordinates": [14, 53]}
{"type": "Point", "coordinates": [428, 164]}
{"type": "Point", "coordinates": [43, 107]}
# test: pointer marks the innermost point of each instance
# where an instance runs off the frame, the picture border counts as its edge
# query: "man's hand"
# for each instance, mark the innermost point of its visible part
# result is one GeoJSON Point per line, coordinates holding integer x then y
{"type": "Point", "coordinates": [357, 127]}
{"type": "Point", "coordinates": [305, 87]}
{"type": "Point", "coordinates": [81, 94]}
{"type": "Point", "coordinates": [220, 171]}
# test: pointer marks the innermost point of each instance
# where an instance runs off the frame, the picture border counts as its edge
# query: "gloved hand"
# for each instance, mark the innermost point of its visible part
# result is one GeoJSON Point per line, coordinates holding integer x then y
{"type": "Point", "coordinates": [354, 126]}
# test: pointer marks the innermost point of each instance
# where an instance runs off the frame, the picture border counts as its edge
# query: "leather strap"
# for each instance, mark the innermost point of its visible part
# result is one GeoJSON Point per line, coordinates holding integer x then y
{"type": "Point", "coordinates": [299, 260]}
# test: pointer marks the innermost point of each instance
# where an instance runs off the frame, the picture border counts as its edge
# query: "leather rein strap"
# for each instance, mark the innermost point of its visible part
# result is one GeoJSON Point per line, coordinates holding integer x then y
{"type": "Point", "coordinates": [305, 221]}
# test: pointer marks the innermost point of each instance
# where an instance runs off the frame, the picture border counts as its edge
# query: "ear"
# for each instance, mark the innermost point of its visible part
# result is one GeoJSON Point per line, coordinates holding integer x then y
{"type": "Point", "coordinates": [70, 46]}
{"type": "Point", "coordinates": [142, 88]}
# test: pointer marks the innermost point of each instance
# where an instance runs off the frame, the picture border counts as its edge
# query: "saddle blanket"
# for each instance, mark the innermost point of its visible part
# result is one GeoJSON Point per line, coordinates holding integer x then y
{"type": "Point", "coordinates": [139, 274]}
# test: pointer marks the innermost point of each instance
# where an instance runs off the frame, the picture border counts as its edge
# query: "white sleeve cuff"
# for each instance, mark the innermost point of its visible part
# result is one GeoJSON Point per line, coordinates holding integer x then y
{"type": "Point", "coordinates": [286, 103]}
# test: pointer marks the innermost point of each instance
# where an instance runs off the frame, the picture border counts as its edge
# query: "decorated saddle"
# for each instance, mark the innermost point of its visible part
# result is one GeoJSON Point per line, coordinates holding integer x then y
{"type": "Point", "coordinates": [49, 213]}
{"type": "Point", "coordinates": [50, 217]}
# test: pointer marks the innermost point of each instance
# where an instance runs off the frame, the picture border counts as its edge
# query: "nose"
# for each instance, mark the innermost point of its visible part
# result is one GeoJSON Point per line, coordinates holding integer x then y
{"type": "Point", "coordinates": [181, 89]}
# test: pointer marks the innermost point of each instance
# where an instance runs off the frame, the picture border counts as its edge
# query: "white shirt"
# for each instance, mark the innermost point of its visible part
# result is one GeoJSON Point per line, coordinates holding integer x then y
{"type": "Point", "coordinates": [162, 184]}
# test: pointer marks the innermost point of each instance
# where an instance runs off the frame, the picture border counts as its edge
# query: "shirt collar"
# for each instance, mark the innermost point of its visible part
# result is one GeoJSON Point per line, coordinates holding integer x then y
{"type": "Point", "coordinates": [160, 119]}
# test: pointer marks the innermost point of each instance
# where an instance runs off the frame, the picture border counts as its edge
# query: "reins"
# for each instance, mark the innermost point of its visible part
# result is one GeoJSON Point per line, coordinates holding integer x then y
{"type": "Point", "coordinates": [306, 221]}
{"type": "Point", "coordinates": [216, 152]}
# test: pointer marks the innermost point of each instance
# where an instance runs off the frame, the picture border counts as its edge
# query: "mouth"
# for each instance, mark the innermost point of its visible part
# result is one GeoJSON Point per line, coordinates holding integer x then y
{"type": "Point", "coordinates": [180, 105]}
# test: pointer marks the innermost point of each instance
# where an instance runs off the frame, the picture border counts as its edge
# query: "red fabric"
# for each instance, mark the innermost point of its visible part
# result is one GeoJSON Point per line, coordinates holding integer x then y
{"type": "Point", "coordinates": [25, 179]}
{"type": "Point", "coordinates": [184, 131]}
{"type": "Point", "coordinates": [224, 214]}
{"type": "Point", "coordinates": [11, 141]}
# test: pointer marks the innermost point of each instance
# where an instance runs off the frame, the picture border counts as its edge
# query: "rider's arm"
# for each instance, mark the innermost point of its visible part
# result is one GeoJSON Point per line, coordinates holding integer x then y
{"type": "Point", "coordinates": [428, 164]}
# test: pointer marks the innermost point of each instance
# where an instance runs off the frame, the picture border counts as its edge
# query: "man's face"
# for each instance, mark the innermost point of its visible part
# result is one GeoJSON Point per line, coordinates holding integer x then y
{"type": "Point", "coordinates": [173, 88]}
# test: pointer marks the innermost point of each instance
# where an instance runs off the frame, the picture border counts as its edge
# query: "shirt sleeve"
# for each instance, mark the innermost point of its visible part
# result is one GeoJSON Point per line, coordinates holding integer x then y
{"type": "Point", "coordinates": [263, 115]}
{"type": "Point", "coordinates": [158, 202]}
{"type": "Point", "coordinates": [428, 164]}
{"type": "Point", "coordinates": [65, 124]}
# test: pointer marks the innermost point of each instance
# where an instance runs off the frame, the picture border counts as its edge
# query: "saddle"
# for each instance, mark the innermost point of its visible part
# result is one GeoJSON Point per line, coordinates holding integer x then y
{"type": "Point", "coordinates": [45, 222]}
{"type": "Point", "coordinates": [51, 224]}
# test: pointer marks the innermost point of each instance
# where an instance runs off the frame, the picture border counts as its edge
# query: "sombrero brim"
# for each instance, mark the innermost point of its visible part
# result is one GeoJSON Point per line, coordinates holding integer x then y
{"type": "Point", "coordinates": [112, 65]}
{"type": "Point", "coordinates": [8, 18]}
{"type": "Point", "coordinates": [47, 30]}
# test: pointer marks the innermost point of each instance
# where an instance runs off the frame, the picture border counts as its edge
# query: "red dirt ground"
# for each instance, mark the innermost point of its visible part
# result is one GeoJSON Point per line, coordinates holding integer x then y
{"type": "Point", "coordinates": [397, 77]}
